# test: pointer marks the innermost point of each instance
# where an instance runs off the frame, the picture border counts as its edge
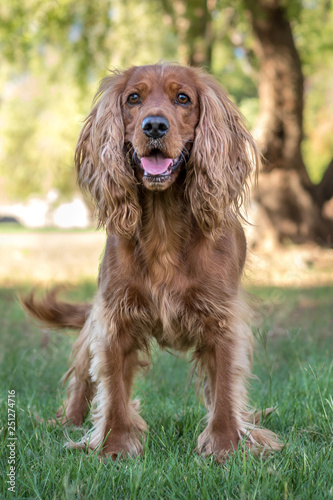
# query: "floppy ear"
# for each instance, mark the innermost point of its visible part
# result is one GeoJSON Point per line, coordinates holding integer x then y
{"type": "Point", "coordinates": [223, 156]}
{"type": "Point", "coordinates": [101, 163]}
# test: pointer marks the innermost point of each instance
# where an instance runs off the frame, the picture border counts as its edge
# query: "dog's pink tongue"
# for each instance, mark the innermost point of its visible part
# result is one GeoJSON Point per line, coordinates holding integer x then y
{"type": "Point", "coordinates": [156, 164]}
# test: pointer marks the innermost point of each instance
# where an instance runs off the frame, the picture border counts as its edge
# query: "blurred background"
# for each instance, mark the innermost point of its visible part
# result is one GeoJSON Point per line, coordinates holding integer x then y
{"type": "Point", "coordinates": [273, 56]}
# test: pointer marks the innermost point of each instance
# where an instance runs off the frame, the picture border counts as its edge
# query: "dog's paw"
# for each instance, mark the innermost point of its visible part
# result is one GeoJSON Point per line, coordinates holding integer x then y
{"type": "Point", "coordinates": [121, 445]}
{"type": "Point", "coordinates": [222, 445]}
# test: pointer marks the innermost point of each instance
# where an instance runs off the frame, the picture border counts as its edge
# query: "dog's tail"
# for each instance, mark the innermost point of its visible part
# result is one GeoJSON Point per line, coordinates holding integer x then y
{"type": "Point", "coordinates": [54, 313]}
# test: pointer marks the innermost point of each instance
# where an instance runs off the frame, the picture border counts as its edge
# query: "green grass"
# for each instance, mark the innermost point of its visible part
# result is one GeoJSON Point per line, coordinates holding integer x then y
{"type": "Point", "coordinates": [293, 361]}
{"type": "Point", "coordinates": [16, 228]}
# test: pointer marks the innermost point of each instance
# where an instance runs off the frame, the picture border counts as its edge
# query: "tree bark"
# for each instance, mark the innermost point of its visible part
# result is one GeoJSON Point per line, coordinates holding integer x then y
{"type": "Point", "coordinates": [192, 22]}
{"type": "Point", "coordinates": [290, 201]}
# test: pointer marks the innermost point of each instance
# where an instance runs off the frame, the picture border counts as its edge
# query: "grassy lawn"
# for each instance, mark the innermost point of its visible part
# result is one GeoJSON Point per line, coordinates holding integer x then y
{"type": "Point", "coordinates": [293, 363]}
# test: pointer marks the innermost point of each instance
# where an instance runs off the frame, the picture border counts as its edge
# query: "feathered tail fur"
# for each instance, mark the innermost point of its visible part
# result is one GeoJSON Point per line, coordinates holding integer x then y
{"type": "Point", "coordinates": [55, 313]}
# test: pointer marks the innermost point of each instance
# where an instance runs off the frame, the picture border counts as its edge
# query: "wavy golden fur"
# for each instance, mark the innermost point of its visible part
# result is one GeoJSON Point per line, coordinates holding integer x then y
{"type": "Point", "coordinates": [167, 159]}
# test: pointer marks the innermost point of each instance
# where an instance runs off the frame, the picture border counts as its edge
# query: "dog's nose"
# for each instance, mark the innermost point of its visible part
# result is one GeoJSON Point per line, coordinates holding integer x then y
{"type": "Point", "coordinates": [155, 126]}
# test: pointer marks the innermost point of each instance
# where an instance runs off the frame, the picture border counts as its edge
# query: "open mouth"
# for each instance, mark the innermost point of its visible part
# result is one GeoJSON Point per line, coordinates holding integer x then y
{"type": "Point", "coordinates": [157, 166]}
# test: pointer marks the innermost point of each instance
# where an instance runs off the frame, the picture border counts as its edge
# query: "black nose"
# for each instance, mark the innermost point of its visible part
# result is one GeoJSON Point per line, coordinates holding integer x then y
{"type": "Point", "coordinates": [155, 126]}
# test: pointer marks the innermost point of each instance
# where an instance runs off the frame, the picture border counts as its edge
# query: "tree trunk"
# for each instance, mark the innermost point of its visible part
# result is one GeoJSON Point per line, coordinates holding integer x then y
{"type": "Point", "coordinates": [192, 22]}
{"type": "Point", "coordinates": [289, 200]}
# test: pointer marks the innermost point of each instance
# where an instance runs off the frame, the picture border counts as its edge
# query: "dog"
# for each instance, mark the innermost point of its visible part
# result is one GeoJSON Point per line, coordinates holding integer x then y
{"type": "Point", "coordinates": [166, 157]}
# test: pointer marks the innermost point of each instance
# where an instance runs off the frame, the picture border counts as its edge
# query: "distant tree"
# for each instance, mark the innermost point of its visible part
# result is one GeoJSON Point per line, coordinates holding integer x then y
{"type": "Point", "coordinates": [292, 203]}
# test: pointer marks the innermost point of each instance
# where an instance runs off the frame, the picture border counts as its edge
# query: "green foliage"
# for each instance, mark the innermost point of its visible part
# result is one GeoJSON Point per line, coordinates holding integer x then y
{"type": "Point", "coordinates": [313, 34]}
{"type": "Point", "coordinates": [293, 364]}
{"type": "Point", "coordinates": [141, 34]}
{"type": "Point", "coordinates": [42, 124]}
{"type": "Point", "coordinates": [76, 30]}
{"type": "Point", "coordinates": [85, 37]}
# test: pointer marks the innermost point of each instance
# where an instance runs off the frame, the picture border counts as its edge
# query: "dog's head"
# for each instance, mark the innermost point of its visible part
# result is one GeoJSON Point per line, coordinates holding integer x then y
{"type": "Point", "coordinates": [161, 111]}
{"type": "Point", "coordinates": [152, 122]}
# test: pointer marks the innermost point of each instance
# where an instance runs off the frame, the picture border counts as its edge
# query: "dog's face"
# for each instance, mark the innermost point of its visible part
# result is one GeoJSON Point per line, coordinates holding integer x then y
{"type": "Point", "coordinates": [160, 107]}
{"type": "Point", "coordinates": [147, 123]}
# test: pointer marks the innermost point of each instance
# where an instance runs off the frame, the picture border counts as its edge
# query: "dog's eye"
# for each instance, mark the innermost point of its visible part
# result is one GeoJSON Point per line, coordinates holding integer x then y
{"type": "Point", "coordinates": [133, 99]}
{"type": "Point", "coordinates": [183, 99]}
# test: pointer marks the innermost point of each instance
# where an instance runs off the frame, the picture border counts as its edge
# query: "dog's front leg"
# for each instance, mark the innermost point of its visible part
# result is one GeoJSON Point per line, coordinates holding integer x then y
{"type": "Point", "coordinates": [117, 424]}
{"type": "Point", "coordinates": [220, 436]}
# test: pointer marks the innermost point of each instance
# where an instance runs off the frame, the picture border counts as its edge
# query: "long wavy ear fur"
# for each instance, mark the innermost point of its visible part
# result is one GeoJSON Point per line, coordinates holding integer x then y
{"type": "Point", "coordinates": [223, 156]}
{"type": "Point", "coordinates": [101, 163]}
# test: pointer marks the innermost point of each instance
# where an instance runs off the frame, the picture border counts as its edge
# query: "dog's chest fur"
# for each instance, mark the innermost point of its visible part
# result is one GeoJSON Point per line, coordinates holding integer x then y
{"type": "Point", "coordinates": [167, 276]}
{"type": "Point", "coordinates": [158, 292]}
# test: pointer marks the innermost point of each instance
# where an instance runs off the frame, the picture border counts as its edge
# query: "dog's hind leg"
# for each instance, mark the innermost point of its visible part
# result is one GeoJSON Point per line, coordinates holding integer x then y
{"type": "Point", "coordinates": [81, 389]}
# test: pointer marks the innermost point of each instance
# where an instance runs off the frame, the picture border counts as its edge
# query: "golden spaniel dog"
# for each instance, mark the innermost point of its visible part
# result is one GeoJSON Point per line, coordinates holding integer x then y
{"type": "Point", "coordinates": [166, 157]}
